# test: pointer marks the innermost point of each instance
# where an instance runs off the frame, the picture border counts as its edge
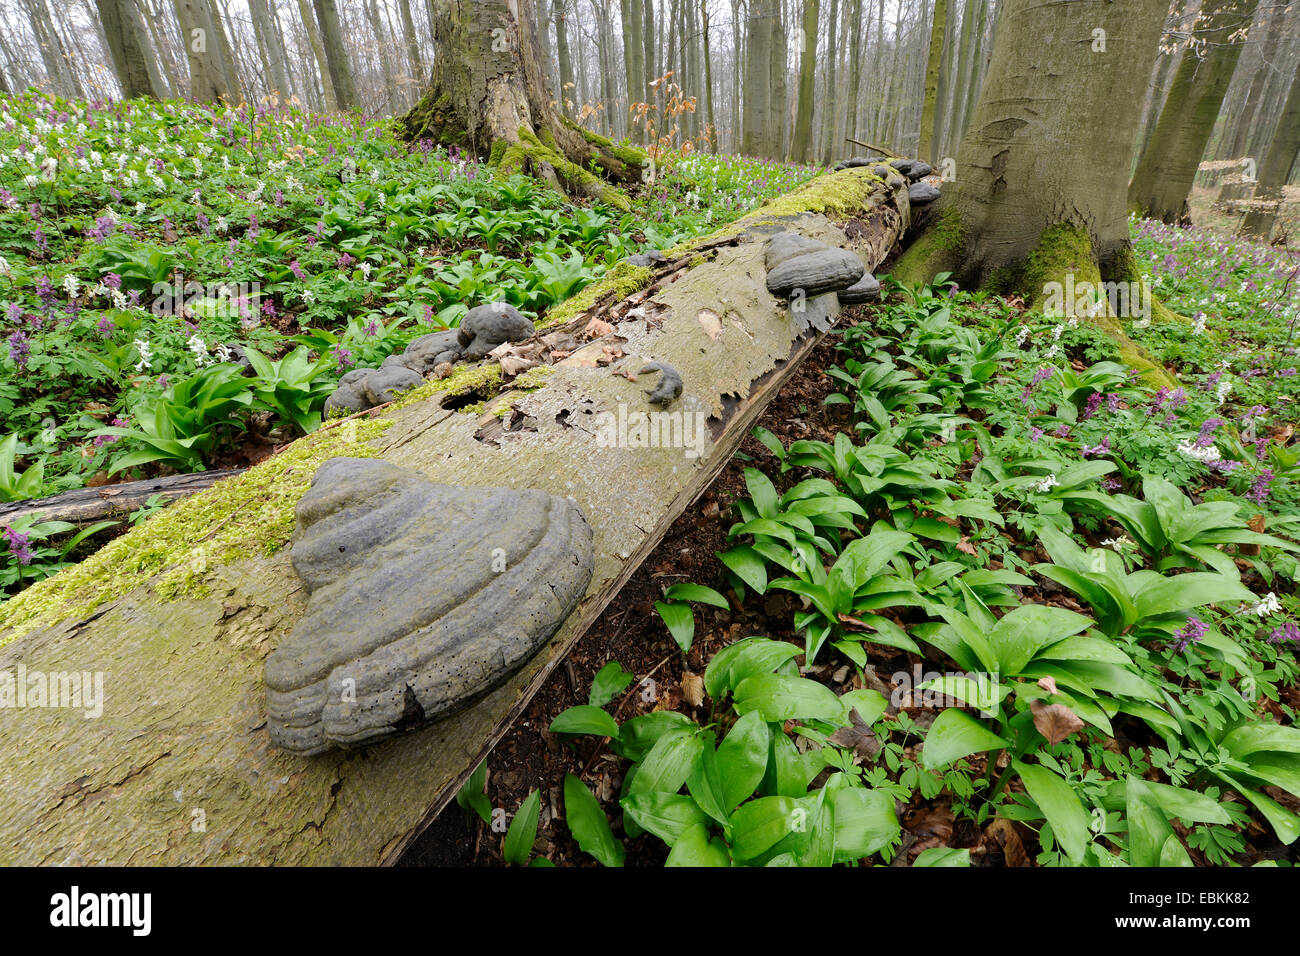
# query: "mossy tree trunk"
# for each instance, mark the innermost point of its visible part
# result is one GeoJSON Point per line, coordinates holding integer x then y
{"type": "Point", "coordinates": [1041, 179]}
{"type": "Point", "coordinates": [178, 616]}
{"type": "Point", "coordinates": [1045, 147]}
{"type": "Point", "coordinates": [1164, 175]}
{"type": "Point", "coordinates": [488, 95]}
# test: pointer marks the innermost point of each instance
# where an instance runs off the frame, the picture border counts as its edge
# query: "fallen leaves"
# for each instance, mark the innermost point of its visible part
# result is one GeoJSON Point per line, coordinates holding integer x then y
{"type": "Point", "coordinates": [1002, 834]}
{"type": "Point", "coordinates": [857, 737]}
{"type": "Point", "coordinates": [1056, 722]}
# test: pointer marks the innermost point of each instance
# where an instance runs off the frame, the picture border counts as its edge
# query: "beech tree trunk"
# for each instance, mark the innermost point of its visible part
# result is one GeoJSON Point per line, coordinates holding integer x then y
{"type": "Point", "coordinates": [1164, 175]}
{"type": "Point", "coordinates": [1029, 178]}
{"type": "Point", "coordinates": [488, 96]}
{"type": "Point", "coordinates": [801, 147]}
{"type": "Point", "coordinates": [129, 48]}
{"type": "Point", "coordinates": [208, 79]}
{"type": "Point", "coordinates": [263, 25]}
{"type": "Point", "coordinates": [336, 54]}
{"type": "Point", "coordinates": [930, 111]}
{"type": "Point", "coordinates": [1273, 171]}
{"type": "Point", "coordinates": [1274, 20]}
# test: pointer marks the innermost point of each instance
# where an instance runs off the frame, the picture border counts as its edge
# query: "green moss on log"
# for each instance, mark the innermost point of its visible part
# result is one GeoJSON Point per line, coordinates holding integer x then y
{"type": "Point", "coordinates": [570, 174]}
{"type": "Point", "coordinates": [619, 282]}
{"type": "Point", "coordinates": [249, 514]}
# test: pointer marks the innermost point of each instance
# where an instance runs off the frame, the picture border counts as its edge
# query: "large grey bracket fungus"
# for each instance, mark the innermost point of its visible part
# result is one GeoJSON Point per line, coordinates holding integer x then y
{"type": "Point", "coordinates": [864, 290]}
{"type": "Point", "coordinates": [423, 598]}
{"type": "Point", "coordinates": [823, 270]}
{"type": "Point", "coordinates": [364, 388]}
{"type": "Point", "coordinates": [485, 327]}
{"type": "Point", "coordinates": [429, 351]}
{"type": "Point", "coordinates": [787, 245]}
{"type": "Point", "coordinates": [922, 194]}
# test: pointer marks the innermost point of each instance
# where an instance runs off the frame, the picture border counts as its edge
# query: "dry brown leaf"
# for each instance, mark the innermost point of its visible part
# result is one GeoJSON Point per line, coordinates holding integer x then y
{"type": "Point", "coordinates": [596, 328]}
{"type": "Point", "coordinates": [931, 822]}
{"type": "Point", "coordinates": [693, 689]}
{"type": "Point", "coordinates": [858, 737]}
{"type": "Point", "coordinates": [1048, 684]}
{"type": "Point", "coordinates": [1001, 833]}
{"type": "Point", "coordinates": [965, 547]}
{"type": "Point", "coordinates": [1055, 721]}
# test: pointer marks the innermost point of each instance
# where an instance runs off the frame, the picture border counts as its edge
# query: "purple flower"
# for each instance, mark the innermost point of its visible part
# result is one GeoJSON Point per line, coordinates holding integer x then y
{"type": "Point", "coordinates": [1193, 631]}
{"type": "Point", "coordinates": [18, 545]}
{"type": "Point", "coordinates": [105, 326]}
{"type": "Point", "coordinates": [1206, 436]}
{"type": "Point", "coordinates": [343, 357]}
{"type": "Point", "coordinates": [268, 309]}
{"type": "Point", "coordinates": [1040, 376]}
{"type": "Point", "coordinates": [1259, 491]}
{"type": "Point", "coordinates": [296, 269]}
{"type": "Point", "coordinates": [103, 228]}
{"type": "Point", "coordinates": [1090, 407]}
{"type": "Point", "coordinates": [344, 261]}
{"type": "Point", "coordinates": [1035, 433]}
{"type": "Point", "coordinates": [1287, 632]}
{"type": "Point", "coordinates": [1102, 448]}
{"type": "Point", "coordinates": [19, 349]}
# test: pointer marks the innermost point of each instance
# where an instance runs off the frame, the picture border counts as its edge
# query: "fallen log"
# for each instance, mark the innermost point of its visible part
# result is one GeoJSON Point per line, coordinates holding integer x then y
{"type": "Point", "coordinates": [87, 505]}
{"type": "Point", "coordinates": [172, 763]}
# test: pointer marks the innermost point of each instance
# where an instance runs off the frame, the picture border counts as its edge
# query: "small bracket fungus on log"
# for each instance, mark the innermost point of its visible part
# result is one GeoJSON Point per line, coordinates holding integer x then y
{"type": "Point", "coordinates": [424, 597]}
{"type": "Point", "coordinates": [670, 383]}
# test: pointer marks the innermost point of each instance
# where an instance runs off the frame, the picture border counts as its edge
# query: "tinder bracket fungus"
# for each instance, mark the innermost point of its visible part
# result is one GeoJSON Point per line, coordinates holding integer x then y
{"type": "Point", "coordinates": [423, 597]}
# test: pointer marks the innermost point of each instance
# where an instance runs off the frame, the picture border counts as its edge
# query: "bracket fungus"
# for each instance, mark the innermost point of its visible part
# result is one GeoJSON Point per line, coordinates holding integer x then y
{"type": "Point", "coordinates": [423, 598]}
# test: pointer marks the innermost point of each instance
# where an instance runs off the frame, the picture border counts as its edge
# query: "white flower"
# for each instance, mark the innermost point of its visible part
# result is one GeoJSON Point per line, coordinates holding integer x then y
{"type": "Point", "coordinates": [220, 225]}
{"type": "Point", "coordinates": [365, 269]}
{"type": "Point", "coordinates": [1225, 386]}
{"type": "Point", "coordinates": [5, 268]}
{"type": "Point", "coordinates": [71, 285]}
{"type": "Point", "coordinates": [140, 208]}
{"type": "Point", "coordinates": [146, 355]}
{"type": "Point", "coordinates": [200, 350]}
{"type": "Point", "coordinates": [1056, 332]}
{"type": "Point", "coordinates": [223, 353]}
{"type": "Point", "coordinates": [1269, 605]}
{"type": "Point", "coordinates": [1198, 327]}
{"type": "Point", "coordinates": [31, 182]}
{"type": "Point", "coordinates": [1200, 454]}
{"type": "Point", "coordinates": [1051, 352]}
{"type": "Point", "coordinates": [1047, 484]}
{"type": "Point", "coordinates": [118, 297]}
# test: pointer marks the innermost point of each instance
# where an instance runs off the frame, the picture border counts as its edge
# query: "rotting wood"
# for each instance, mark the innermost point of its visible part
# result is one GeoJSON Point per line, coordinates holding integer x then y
{"type": "Point", "coordinates": [179, 770]}
{"type": "Point", "coordinates": [86, 505]}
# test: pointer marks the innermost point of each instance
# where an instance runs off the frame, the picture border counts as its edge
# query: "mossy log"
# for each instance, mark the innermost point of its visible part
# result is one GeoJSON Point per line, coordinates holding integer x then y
{"type": "Point", "coordinates": [180, 614]}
